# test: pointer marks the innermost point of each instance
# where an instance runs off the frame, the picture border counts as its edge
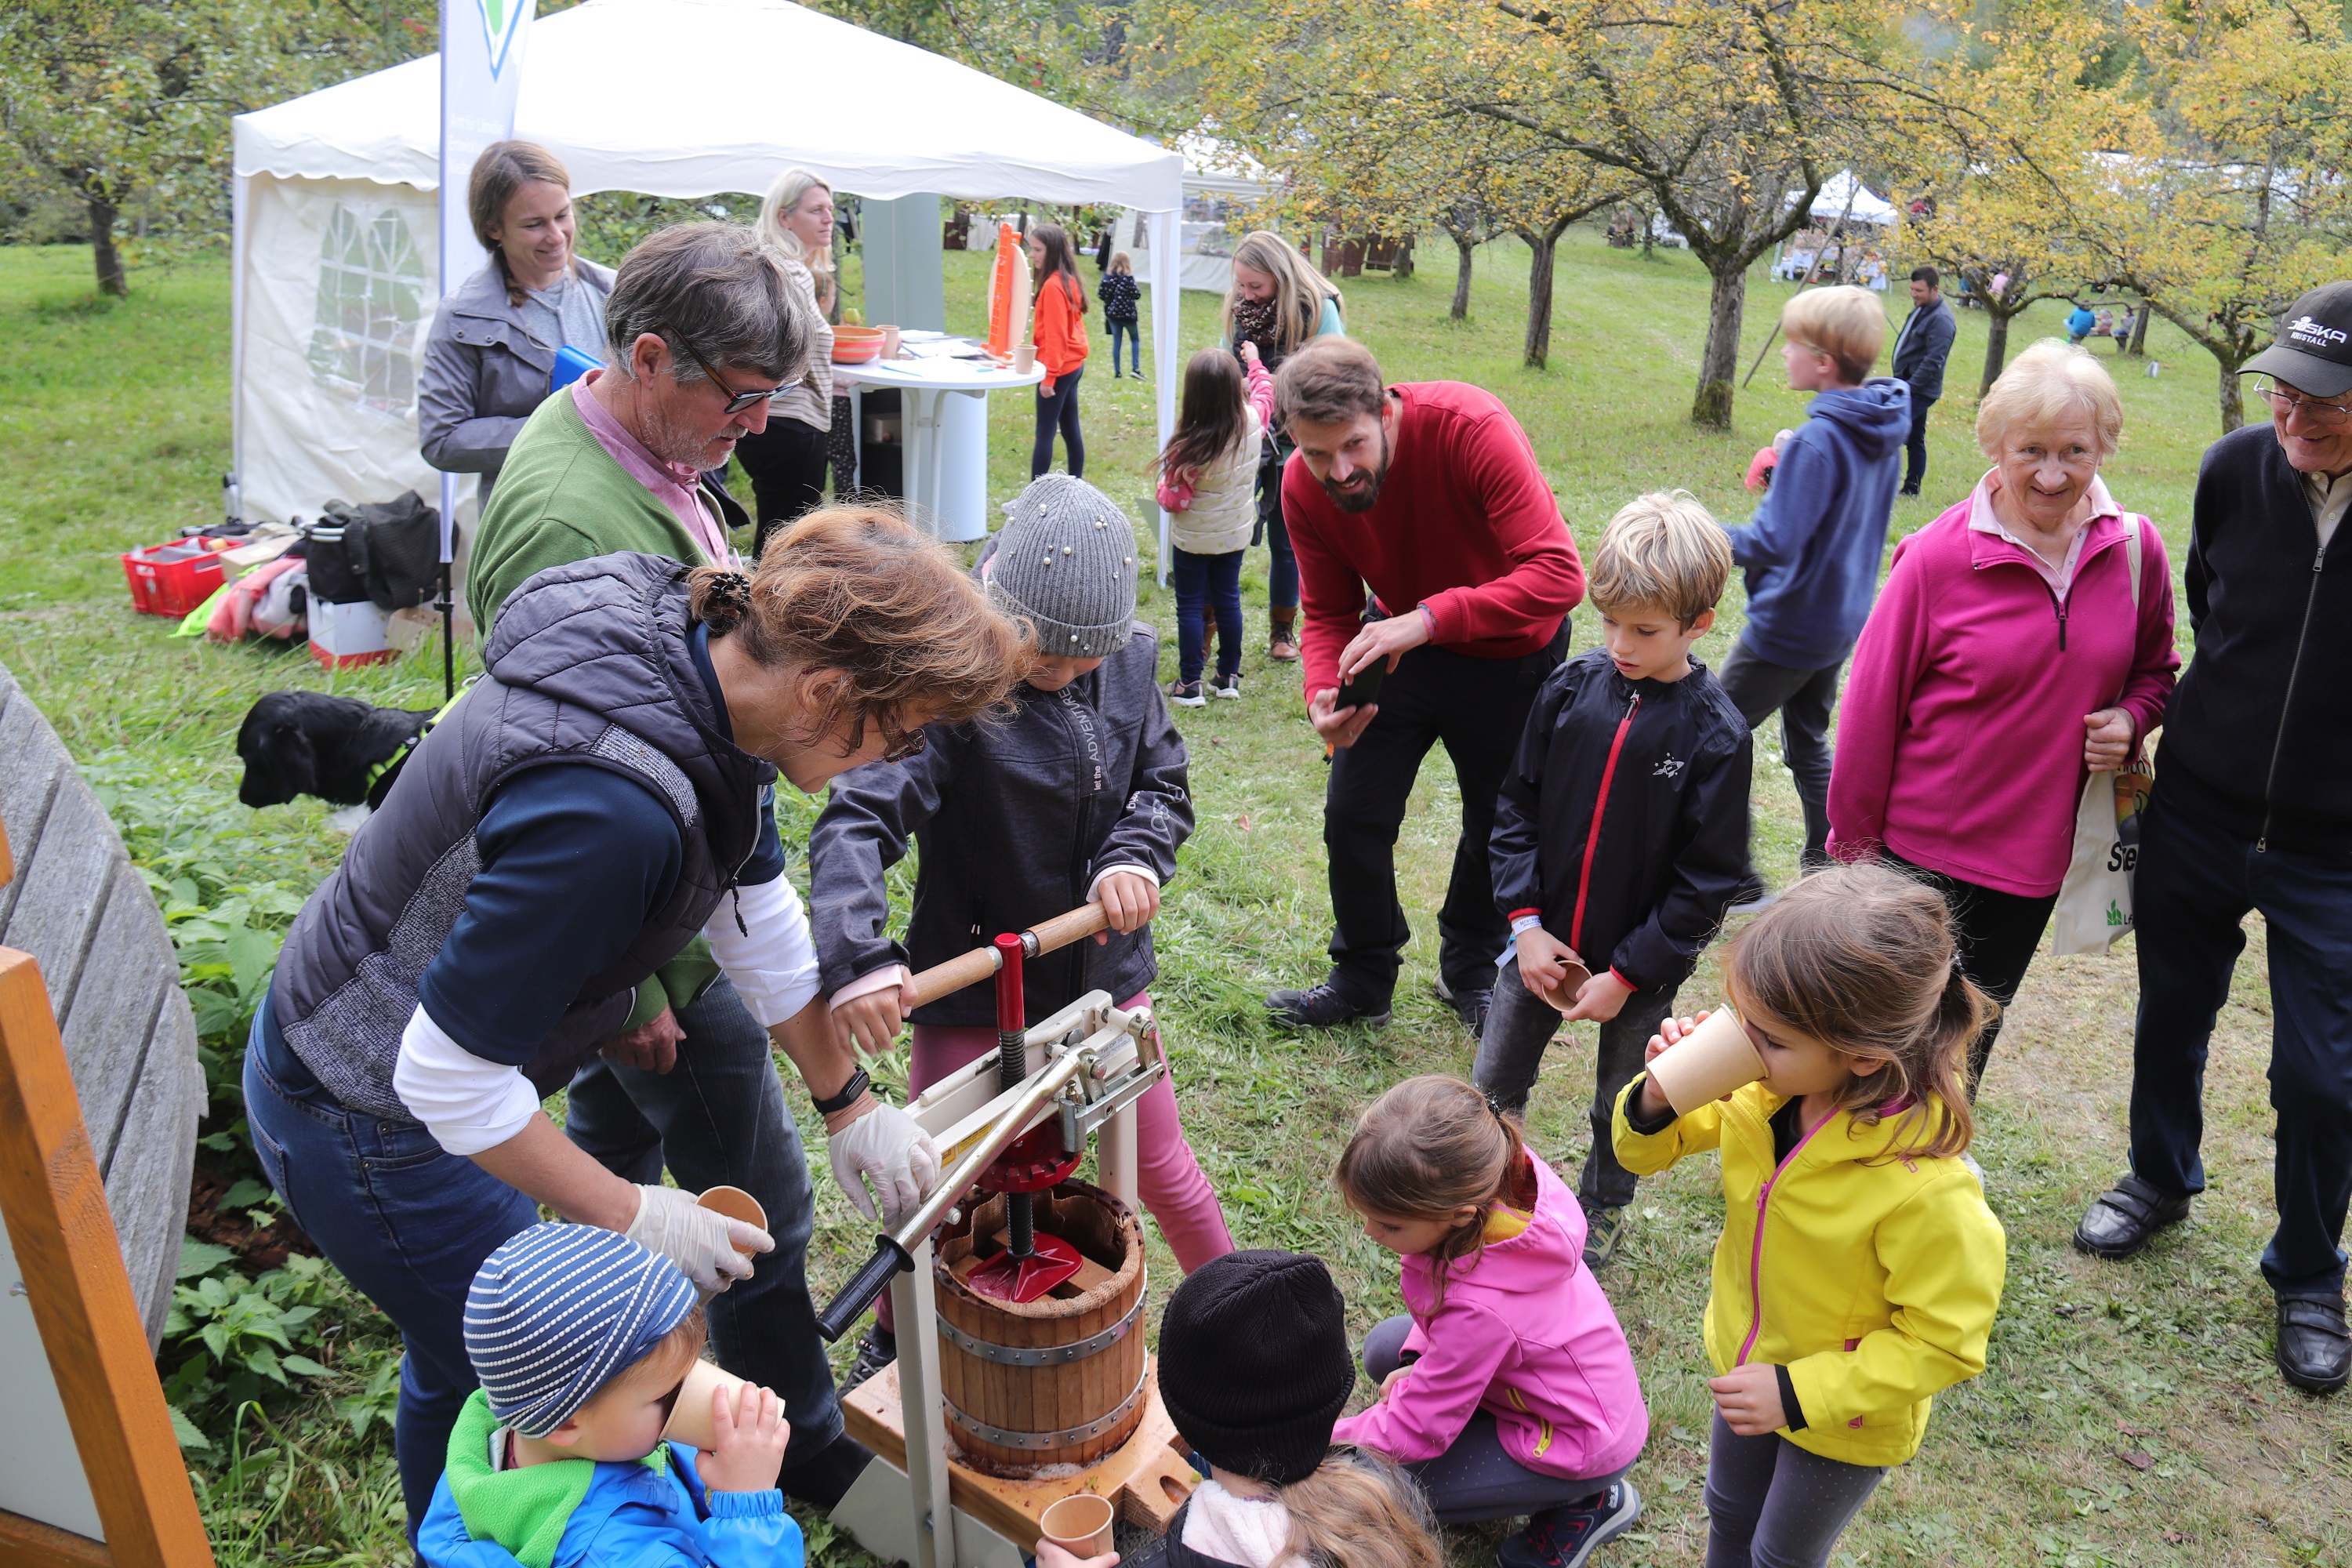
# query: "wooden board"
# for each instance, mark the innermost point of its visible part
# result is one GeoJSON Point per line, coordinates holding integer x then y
{"type": "Point", "coordinates": [1146, 1478]}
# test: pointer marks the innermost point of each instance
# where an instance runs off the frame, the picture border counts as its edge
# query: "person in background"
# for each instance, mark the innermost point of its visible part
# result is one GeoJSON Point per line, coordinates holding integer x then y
{"type": "Point", "coordinates": [1812, 550]}
{"type": "Point", "coordinates": [786, 459]}
{"type": "Point", "coordinates": [2252, 811]}
{"type": "Point", "coordinates": [1920, 350]}
{"type": "Point", "coordinates": [1428, 544]}
{"type": "Point", "coordinates": [490, 358]}
{"type": "Point", "coordinates": [2102, 323]}
{"type": "Point", "coordinates": [2124, 329]}
{"type": "Point", "coordinates": [1280, 303]}
{"type": "Point", "coordinates": [2011, 652]}
{"type": "Point", "coordinates": [1204, 485]}
{"type": "Point", "coordinates": [1060, 334]}
{"type": "Point", "coordinates": [1119, 298]}
{"type": "Point", "coordinates": [2079, 322]}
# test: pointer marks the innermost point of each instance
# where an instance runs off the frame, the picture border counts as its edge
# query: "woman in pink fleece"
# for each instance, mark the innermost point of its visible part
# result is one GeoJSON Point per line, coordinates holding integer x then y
{"type": "Point", "coordinates": [1509, 1390]}
{"type": "Point", "coordinates": [2011, 652]}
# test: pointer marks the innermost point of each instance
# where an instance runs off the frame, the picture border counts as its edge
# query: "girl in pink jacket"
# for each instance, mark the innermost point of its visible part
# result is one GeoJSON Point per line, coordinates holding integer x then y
{"type": "Point", "coordinates": [1509, 1390]}
{"type": "Point", "coordinates": [2023, 640]}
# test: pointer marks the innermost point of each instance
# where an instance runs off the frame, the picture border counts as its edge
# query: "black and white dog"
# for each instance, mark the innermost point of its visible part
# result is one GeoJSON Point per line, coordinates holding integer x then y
{"type": "Point", "coordinates": [307, 742]}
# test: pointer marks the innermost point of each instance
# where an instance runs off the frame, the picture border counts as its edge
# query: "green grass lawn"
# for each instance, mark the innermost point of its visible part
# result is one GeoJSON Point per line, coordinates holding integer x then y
{"type": "Point", "coordinates": [2130, 1415]}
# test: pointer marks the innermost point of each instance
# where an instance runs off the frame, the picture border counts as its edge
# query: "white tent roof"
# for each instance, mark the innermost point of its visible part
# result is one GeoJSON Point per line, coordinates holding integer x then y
{"type": "Point", "coordinates": [690, 98]}
{"type": "Point", "coordinates": [1831, 203]}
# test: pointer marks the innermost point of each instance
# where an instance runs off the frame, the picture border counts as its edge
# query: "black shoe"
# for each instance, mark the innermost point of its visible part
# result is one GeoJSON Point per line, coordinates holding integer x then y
{"type": "Point", "coordinates": [1471, 1008]}
{"type": "Point", "coordinates": [1908, 490]}
{"type": "Point", "coordinates": [877, 1350]}
{"type": "Point", "coordinates": [1604, 1227]}
{"type": "Point", "coordinates": [826, 1478]}
{"type": "Point", "coordinates": [1567, 1537]}
{"type": "Point", "coordinates": [2315, 1348]}
{"type": "Point", "coordinates": [1752, 896]}
{"type": "Point", "coordinates": [1322, 1007]}
{"type": "Point", "coordinates": [2122, 1221]}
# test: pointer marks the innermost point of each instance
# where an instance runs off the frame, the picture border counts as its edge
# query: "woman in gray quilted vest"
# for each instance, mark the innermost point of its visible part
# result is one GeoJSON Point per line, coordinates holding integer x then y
{"type": "Point", "coordinates": [604, 793]}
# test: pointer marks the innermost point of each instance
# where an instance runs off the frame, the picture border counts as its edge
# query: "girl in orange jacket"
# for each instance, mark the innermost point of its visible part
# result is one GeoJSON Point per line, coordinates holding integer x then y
{"type": "Point", "coordinates": [1061, 337]}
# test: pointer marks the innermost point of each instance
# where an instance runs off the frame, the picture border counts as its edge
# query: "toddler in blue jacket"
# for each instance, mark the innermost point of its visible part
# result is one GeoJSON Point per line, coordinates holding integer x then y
{"type": "Point", "coordinates": [582, 1341]}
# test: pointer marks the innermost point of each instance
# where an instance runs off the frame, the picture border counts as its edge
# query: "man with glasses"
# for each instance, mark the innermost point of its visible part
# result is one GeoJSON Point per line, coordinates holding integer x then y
{"type": "Point", "coordinates": [2252, 810]}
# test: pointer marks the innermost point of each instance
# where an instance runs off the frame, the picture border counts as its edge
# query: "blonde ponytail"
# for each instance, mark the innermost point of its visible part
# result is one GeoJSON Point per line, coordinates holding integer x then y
{"type": "Point", "coordinates": [1359, 1509]}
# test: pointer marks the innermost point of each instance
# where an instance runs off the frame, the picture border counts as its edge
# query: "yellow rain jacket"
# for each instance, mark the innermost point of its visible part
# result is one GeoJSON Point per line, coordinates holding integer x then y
{"type": "Point", "coordinates": [1874, 1280]}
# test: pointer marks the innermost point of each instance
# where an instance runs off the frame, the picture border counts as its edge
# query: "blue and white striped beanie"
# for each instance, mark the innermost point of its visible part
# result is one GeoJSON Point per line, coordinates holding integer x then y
{"type": "Point", "coordinates": [559, 1311]}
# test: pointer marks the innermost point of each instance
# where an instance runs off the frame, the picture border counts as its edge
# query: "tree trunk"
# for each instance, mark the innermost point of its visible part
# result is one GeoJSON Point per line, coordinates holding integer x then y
{"type": "Point", "coordinates": [2139, 330]}
{"type": "Point", "coordinates": [1544, 243]}
{"type": "Point", "coordinates": [1462, 278]}
{"type": "Point", "coordinates": [1996, 348]}
{"type": "Point", "coordinates": [2233, 405]}
{"type": "Point", "coordinates": [111, 279]}
{"type": "Point", "coordinates": [1719, 361]}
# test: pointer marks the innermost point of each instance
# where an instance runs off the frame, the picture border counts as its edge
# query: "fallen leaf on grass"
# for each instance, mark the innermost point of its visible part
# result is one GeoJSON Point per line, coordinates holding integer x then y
{"type": "Point", "coordinates": [2175, 1538]}
{"type": "Point", "coordinates": [2136, 1459]}
{"type": "Point", "coordinates": [2129, 1430]}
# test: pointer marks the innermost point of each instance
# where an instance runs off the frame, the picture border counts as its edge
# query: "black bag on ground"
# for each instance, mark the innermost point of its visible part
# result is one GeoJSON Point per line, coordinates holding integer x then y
{"type": "Point", "coordinates": [388, 552]}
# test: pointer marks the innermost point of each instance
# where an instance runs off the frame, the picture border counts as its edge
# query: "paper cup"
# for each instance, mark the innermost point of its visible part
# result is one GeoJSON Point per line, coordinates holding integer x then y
{"type": "Point", "coordinates": [1024, 358]}
{"type": "Point", "coordinates": [690, 1419]}
{"type": "Point", "coordinates": [891, 340]}
{"type": "Point", "coordinates": [1079, 1525]}
{"type": "Point", "coordinates": [1707, 1063]}
{"type": "Point", "coordinates": [735, 1203]}
{"type": "Point", "coordinates": [1572, 978]}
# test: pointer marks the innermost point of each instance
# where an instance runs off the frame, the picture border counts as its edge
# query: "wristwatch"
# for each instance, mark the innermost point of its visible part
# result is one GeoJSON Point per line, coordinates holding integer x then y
{"type": "Point", "coordinates": [848, 1097]}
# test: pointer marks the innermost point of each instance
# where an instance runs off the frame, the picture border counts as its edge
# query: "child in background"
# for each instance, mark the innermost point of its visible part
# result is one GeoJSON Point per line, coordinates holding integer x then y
{"type": "Point", "coordinates": [2079, 322]}
{"type": "Point", "coordinates": [1885, 1266]}
{"type": "Point", "coordinates": [1060, 333]}
{"type": "Point", "coordinates": [582, 1339]}
{"type": "Point", "coordinates": [1119, 297]}
{"type": "Point", "coordinates": [1509, 1389]}
{"type": "Point", "coordinates": [1767, 459]}
{"type": "Point", "coordinates": [1620, 834]}
{"type": "Point", "coordinates": [1254, 1369]}
{"type": "Point", "coordinates": [1208, 479]}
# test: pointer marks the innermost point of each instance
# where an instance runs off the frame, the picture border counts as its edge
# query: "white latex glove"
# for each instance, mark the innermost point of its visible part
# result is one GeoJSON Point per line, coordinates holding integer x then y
{"type": "Point", "coordinates": [885, 1145]}
{"type": "Point", "coordinates": [703, 1242]}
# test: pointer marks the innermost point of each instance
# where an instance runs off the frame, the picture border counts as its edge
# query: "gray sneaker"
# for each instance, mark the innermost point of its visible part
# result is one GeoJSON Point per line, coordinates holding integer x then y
{"type": "Point", "coordinates": [1604, 1228]}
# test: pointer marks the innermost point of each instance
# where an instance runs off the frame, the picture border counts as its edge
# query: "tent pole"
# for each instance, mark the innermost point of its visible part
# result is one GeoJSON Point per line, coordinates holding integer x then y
{"type": "Point", "coordinates": [241, 207]}
{"type": "Point", "coordinates": [1167, 330]}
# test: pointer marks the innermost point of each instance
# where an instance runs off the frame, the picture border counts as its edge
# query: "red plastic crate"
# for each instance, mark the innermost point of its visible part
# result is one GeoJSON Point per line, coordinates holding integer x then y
{"type": "Point", "coordinates": [170, 587]}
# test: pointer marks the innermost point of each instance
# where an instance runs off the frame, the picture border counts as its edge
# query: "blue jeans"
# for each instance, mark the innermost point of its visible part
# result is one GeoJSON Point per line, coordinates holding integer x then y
{"type": "Point", "coordinates": [1282, 570]}
{"type": "Point", "coordinates": [1215, 580]}
{"type": "Point", "coordinates": [1134, 345]}
{"type": "Point", "coordinates": [2196, 881]}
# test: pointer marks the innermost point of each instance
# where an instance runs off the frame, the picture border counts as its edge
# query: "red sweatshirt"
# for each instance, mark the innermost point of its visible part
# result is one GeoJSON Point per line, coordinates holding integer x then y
{"type": "Point", "coordinates": [1465, 525]}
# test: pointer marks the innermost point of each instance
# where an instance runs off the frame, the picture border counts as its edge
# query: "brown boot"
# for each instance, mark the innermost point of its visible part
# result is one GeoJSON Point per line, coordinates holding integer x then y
{"type": "Point", "coordinates": [1282, 639]}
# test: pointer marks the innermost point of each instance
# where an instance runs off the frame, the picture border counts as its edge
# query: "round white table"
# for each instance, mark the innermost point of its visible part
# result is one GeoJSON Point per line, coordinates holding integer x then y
{"type": "Point", "coordinates": [944, 433]}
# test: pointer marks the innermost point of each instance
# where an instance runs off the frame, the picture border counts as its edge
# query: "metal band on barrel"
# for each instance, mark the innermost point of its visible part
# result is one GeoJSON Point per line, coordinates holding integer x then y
{"type": "Point", "coordinates": [1043, 1355]}
{"type": "Point", "coordinates": [1041, 1440]}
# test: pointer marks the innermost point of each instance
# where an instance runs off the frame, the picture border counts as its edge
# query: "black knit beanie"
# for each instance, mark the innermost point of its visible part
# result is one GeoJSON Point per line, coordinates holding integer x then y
{"type": "Point", "coordinates": [1254, 1363]}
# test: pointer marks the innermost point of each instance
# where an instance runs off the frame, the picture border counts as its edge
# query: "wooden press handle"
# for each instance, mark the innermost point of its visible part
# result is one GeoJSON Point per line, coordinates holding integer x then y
{"type": "Point", "coordinates": [971, 968]}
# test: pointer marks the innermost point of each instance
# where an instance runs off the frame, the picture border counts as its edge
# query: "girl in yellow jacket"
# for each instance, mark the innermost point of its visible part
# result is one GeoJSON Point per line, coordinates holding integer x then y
{"type": "Point", "coordinates": [1859, 1269]}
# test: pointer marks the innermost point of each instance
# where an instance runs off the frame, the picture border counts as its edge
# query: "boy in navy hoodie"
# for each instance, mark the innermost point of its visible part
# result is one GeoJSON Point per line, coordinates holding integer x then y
{"type": "Point", "coordinates": [1620, 834]}
{"type": "Point", "coordinates": [1812, 551]}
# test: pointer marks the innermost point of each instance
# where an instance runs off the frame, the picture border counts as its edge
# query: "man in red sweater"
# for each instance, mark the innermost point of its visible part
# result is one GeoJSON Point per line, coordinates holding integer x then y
{"type": "Point", "coordinates": [1428, 494]}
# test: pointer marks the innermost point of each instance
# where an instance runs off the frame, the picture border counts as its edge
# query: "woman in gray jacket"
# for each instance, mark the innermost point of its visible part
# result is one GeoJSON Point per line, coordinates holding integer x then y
{"type": "Point", "coordinates": [491, 358]}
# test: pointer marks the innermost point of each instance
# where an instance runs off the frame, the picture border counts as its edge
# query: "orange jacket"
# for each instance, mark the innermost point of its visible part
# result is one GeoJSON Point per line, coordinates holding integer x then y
{"type": "Point", "coordinates": [1061, 329]}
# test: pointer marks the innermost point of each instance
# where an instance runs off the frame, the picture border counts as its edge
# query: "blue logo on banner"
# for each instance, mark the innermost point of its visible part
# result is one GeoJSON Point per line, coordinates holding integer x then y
{"type": "Point", "coordinates": [502, 20]}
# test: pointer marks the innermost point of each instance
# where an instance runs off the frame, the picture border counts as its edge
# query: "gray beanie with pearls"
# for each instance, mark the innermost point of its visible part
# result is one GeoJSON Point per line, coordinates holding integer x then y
{"type": "Point", "coordinates": [1065, 562]}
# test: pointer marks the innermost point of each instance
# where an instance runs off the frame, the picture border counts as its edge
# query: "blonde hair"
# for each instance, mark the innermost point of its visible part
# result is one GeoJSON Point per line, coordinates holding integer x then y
{"type": "Point", "coordinates": [2042, 385]}
{"type": "Point", "coordinates": [1431, 1145]}
{"type": "Point", "coordinates": [782, 197]}
{"type": "Point", "coordinates": [1298, 290]}
{"type": "Point", "coordinates": [1862, 959]}
{"type": "Point", "coordinates": [1846, 322]}
{"type": "Point", "coordinates": [1122, 264]}
{"type": "Point", "coordinates": [1662, 550]}
{"type": "Point", "coordinates": [1361, 1510]}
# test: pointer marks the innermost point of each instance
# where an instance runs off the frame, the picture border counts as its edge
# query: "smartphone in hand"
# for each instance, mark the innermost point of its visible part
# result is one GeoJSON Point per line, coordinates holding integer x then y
{"type": "Point", "coordinates": [1365, 687]}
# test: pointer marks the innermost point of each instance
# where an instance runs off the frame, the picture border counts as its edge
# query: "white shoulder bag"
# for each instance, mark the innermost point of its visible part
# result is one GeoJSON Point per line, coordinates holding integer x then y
{"type": "Point", "coordinates": [2095, 904]}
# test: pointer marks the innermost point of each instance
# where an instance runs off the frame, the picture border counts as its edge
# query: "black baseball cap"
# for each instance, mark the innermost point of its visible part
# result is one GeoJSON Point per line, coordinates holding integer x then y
{"type": "Point", "coordinates": [2314, 351]}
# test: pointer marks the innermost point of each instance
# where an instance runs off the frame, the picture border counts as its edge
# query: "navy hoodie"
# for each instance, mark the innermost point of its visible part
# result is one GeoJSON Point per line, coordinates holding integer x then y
{"type": "Point", "coordinates": [1812, 551]}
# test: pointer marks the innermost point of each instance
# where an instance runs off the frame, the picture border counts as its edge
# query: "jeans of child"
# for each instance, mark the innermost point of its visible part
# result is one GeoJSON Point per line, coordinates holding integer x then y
{"type": "Point", "coordinates": [2197, 880]}
{"type": "Point", "coordinates": [1804, 698]}
{"type": "Point", "coordinates": [1282, 569]}
{"type": "Point", "coordinates": [1770, 1502]}
{"type": "Point", "coordinates": [1058, 410]}
{"type": "Point", "coordinates": [1476, 1477]}
{"type": "Point", "coordinates": [1134, 345]}
{"type": "Point", "coordinates": [1996, 932]}
{"type": "Point", "coordinates": [1215, 581]}
{"type": "Point", "coordinates": [1520, 1024]}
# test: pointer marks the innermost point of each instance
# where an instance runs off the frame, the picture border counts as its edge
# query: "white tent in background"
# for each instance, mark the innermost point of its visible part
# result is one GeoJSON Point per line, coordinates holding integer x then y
{"type": "Point", "coordinates": [1840, 189]}
{"type": "Point", "coordinates": [333, 257]}
{"type": "Point", "coordinates": [1222, 183]}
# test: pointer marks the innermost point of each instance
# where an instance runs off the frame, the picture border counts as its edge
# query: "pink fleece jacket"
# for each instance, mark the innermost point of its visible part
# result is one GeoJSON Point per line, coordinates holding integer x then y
{"type": "Point", "coordinates": [1526, 1334]}
{"type": "Point", "coordinates": [1960, 740]}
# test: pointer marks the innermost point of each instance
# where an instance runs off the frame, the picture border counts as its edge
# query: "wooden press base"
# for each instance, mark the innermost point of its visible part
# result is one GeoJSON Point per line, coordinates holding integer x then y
{"type": "Point", "coordinates": [1146, 1478]}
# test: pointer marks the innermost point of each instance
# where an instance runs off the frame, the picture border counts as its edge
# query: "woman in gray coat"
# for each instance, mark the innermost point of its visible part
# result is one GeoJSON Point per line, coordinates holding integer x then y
{"type": "Point", "coordinates": [491, 358]}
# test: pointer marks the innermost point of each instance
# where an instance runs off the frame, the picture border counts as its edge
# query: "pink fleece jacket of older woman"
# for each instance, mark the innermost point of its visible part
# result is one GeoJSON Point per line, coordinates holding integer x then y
{"type": "Point", "coordinates": [1961, 733]}
{"type": "Point", "coordinates": [1524, 1332]}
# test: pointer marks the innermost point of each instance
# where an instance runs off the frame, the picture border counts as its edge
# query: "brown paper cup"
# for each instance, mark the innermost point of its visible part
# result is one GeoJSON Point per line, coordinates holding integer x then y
{"type": "Point", "coordinates": [690, 1419]}
{"type": "Point", "coordinates": [1572, 978]}
{"type": "Point", "coordinates": [735, 1203]}
{"type": "Point", "coordinates": [1024, 360]}
{"type": "Point", "coordinates": [891, 342]}
{"type": "Point", "coordinates": [1079, 1525]}
{"type": "Point", "coordinates": [1707, 1063]}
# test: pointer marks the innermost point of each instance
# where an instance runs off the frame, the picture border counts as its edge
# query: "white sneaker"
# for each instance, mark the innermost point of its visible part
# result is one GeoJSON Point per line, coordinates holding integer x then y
{"type": "Point", "coordinates": [1226, 686]}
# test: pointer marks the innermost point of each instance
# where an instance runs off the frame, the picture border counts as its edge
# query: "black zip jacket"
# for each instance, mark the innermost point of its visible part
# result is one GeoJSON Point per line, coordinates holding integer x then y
{"type": "Point", "coordinates": [2261, 722]}
{"type": "Point", "coordinates": [1015, 820]}
{"type": "Point", "coordinates": [1652, 778]}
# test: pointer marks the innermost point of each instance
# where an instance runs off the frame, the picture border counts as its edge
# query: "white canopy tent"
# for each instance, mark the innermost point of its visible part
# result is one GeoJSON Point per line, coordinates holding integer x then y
{"type": "Point", "coordinates": [1844, 196]}
{"type": "Point", "coordinates": [1222, 184]}
{"type": "Point", "coordinates": [334, 254]}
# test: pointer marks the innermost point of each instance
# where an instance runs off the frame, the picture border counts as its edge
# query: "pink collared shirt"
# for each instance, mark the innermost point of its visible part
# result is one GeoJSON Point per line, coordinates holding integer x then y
{"type": "Point", "coordinates": [675, 485]}
{"type": "Point", "coordinates": [1983, 520]}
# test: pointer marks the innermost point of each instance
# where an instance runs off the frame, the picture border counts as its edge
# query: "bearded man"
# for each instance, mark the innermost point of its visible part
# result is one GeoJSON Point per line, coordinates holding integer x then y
{"type": "Point", "coordinates": [1429, 543]}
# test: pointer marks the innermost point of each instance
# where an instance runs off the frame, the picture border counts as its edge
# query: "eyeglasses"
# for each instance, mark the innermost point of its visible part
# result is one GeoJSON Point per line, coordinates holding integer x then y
{"type": "Point", "coordinates": [2286, 404]}
{"type": "Point", "coordinates": [735, 400]}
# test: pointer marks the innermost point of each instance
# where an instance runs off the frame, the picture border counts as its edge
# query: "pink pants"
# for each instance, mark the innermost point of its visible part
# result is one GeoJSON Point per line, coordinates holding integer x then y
{"type": "Point", "coordinates": [1167, 1175]}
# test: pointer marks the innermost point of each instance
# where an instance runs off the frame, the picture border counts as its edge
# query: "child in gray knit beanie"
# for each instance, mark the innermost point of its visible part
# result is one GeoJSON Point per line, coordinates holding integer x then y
{"type": "Point", "coordinates": [1065, 562]}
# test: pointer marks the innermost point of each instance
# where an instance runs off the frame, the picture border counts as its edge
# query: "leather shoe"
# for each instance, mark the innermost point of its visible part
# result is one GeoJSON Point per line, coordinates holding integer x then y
{"type": "Point", "coordinates": [2125, 1219]}
{"type": "Point", "coordinates": [2315, 1349]}
{"type": "Point", "coordinates": [1322, 1007]}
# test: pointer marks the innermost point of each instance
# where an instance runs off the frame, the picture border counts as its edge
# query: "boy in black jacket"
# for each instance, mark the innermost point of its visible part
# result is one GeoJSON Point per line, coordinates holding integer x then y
{"type": "Point", "coordinates": [1622, 834]}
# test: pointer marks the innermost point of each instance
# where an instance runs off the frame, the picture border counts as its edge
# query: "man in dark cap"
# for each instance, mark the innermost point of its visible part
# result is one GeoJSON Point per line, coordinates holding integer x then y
{"type": "Point", "coordinates": [2252, 810]}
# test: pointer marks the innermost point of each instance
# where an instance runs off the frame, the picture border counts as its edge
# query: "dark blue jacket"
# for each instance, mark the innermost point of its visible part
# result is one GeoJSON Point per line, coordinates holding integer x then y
{"type": "Point", "coordinates": [1813, 549]}
{"type": "Point", "coordinates": [1922, 347]}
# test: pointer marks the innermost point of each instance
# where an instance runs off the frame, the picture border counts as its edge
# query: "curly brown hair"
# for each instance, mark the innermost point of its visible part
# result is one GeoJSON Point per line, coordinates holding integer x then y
{"type": "Point", "coordinates": [857, 590]}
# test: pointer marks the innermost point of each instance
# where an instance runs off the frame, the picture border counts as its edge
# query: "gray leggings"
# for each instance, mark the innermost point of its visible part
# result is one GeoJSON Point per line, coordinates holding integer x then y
{"type": "Point", "coordinates": [1771, 1504]}
{"type": "Point", "coordinates": [1476, 1477]}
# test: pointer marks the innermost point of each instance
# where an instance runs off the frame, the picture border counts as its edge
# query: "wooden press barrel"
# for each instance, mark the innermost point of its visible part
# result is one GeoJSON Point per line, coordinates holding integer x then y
{"type": "Point", "coordinates": [1057, 1381]}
